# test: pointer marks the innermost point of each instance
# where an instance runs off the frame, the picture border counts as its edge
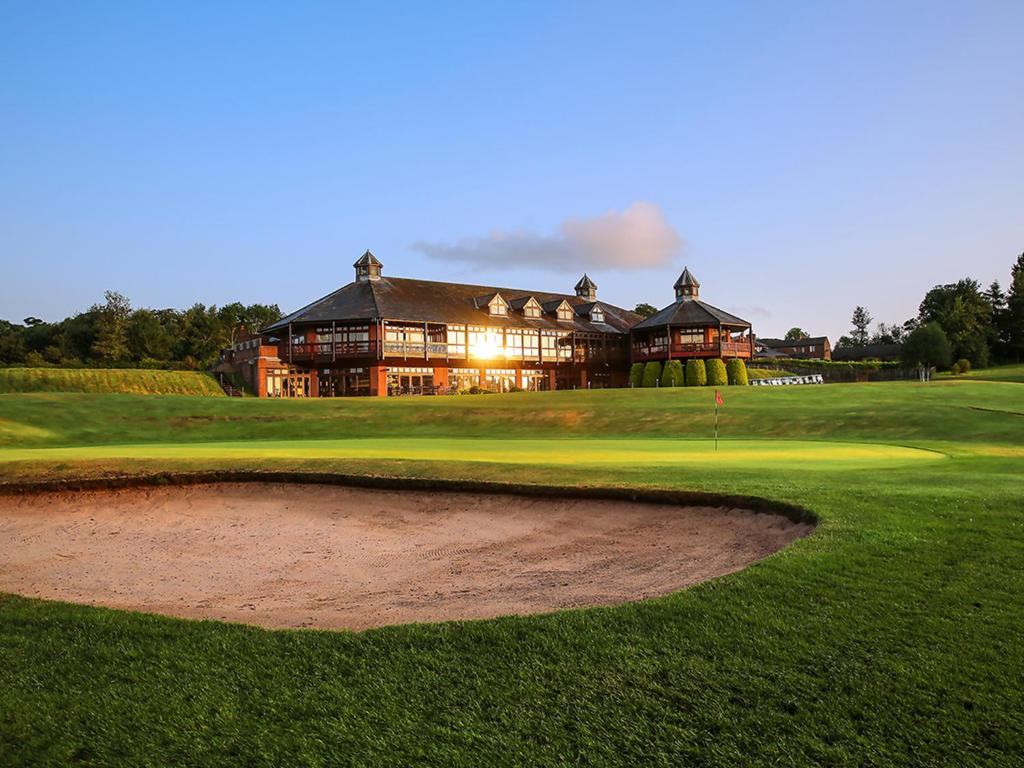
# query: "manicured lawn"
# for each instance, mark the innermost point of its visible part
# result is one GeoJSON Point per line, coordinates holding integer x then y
{"type": "Point", "coordinates": [996, 373]}
{"type": "Point", "coordinates": [894, 635]}
{"type": "Point", "coordinates": [107, 380]}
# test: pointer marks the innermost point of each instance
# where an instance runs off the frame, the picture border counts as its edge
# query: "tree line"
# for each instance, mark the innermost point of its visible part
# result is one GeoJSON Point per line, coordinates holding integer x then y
{"type": "Point", "coordinates": [957, 321]}
{"type": "Point", "coordinates": [114, 334]}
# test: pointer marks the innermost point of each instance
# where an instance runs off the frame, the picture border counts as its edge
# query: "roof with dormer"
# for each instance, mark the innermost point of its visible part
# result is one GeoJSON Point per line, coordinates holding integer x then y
{"type": "Point", "coordinates": [400, 298]}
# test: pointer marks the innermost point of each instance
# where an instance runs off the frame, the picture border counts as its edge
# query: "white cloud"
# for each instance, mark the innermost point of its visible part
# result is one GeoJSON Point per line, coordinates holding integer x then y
{"type": "Point", "coordinates": [637, 237]}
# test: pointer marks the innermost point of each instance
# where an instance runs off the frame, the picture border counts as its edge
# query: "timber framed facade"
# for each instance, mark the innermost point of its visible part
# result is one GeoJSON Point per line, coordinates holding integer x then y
{"type": "Point", "coordinates": [380, 336]}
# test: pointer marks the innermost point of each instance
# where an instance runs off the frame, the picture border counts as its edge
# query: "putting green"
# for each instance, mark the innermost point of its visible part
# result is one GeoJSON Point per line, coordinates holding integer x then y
{"type": "Point", "coordinates": [803, 454]}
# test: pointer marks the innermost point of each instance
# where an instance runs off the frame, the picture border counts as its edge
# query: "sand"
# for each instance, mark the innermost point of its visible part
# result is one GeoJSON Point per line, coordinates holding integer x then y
{"type": "Point", "coordinates": [288, 555]}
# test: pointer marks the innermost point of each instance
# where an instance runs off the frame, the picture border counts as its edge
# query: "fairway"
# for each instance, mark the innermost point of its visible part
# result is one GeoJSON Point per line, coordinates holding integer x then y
{"type": "Point", "coordinates": [761, 454]}
{"type": "Point", "coordinates": [889, 636]}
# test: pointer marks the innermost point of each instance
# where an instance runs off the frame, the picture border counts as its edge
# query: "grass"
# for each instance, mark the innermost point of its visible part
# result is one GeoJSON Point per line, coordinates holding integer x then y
{"type": "Point", "coordinates": [891, 636]}
{"type": "Point", "coordinates": [996, 373]}
{"type": "Point", "coordinates": [108, 380]}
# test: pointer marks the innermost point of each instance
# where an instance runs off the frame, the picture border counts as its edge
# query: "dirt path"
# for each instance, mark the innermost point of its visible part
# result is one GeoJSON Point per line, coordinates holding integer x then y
{"type": "Point", "coordinates": [282, 555]}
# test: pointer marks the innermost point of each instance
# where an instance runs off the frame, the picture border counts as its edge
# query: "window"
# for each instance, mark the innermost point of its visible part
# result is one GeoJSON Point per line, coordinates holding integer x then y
{"type": "Point", "coordinates": [485, 343]}
{"type": "Point", "coordinates": [513, 343]}
{"type": "Point", "coordinates": [457, 341]}
{"type": "Point", "coordinates": [565, 312]}
{"type": "Point", "coordinates": [597, 315]}
{"type": "Point", "coordinates": [497, 306]}
{"type": "Point", "coordinates": [531, 310]}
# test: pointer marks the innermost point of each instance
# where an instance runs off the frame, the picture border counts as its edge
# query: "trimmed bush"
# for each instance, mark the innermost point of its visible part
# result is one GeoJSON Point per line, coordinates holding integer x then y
{"type": "Point", "coordinates": [955, 369]}
{"type": "Point", "coordinates": [696, 373]}
{"type": "Point", "coordinates": [652, 372]}
{"type": "Point", "coordinates": [636, 375]}
{"type": "Point", "coordinates": [737, 372]}
{"type": "Point", "coordinates": [672, 375]}
{"type": "Point", "coordinates": [717, 376]}
{"type": "Point", "coordinates": [964, 365]}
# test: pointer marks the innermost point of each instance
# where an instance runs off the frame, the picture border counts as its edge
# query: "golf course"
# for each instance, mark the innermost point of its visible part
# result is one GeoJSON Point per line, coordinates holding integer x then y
{"type": "Point", "coordinates": [893, 634]}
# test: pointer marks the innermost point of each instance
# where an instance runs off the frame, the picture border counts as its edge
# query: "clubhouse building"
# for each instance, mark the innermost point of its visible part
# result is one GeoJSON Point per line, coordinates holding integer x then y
{"type": "Point", "coordinates": [382, 336]}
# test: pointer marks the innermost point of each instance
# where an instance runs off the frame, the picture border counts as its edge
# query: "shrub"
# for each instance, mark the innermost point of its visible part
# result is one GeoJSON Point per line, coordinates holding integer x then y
{"type": "Point", "coordinates": [955, 368]}
{"type": "Point", "coordinates": [737, 372]}
{"type": "Point", "coordinates": [672, 376]}
{"type": "Point", "coordinates": [696, 373]}
{"type": "Point", "coordinates": [651, 373]}
{"type": "Point", "coordinates": [964, 365]}
{"type": "Point", "coordinates": [636, 375]}
{"type": "Point", "coordinates": [717, 377]}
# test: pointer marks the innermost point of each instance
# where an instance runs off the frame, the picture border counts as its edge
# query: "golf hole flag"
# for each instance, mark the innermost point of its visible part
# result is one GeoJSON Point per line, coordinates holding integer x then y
{"type": "Point", "coordinates": [718, 401]}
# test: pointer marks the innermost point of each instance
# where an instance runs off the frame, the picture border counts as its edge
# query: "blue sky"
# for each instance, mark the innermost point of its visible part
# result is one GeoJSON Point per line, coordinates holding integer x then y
{"type": "Point", "coordinates": [801, 158]}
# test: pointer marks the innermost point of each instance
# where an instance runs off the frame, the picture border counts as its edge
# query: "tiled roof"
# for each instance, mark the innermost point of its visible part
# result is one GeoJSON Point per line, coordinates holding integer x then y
{"type": "Point", "coordinates": [400, 298]}
{"type": "Point", "coordinates": [691, 312]}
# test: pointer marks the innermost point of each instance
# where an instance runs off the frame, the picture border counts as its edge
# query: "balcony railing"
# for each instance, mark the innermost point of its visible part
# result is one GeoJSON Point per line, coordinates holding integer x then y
{"type": "Point", "coordinates": [324, 351]}
{"type": "Point", "coordinates": [418, 350]}
{"type": "Point", "coordinates": [717, 349]}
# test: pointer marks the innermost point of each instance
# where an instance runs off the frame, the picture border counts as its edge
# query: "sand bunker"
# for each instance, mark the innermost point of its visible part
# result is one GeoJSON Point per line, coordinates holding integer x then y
{"type": "Point", "coordinates": [287, 555]}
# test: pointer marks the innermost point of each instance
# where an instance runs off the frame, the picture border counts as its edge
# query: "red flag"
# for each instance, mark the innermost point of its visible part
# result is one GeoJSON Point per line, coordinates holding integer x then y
{"type": "Point", "coordinates": [718, 398]}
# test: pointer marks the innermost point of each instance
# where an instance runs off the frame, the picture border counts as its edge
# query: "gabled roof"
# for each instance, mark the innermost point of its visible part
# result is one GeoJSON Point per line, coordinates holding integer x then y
{"type": "Point", "coordinates": [691, 312]}
{"type": "Point", "coordinates": [686, 278]}
{"type": "Point", "coordinates": [399, 298]}
{"type": "Point", "coordinates": [814, 340]}
{"type": "Point", "coordinates": [367, 260]}
{"type": "Point", "coordinates": [522, 301]}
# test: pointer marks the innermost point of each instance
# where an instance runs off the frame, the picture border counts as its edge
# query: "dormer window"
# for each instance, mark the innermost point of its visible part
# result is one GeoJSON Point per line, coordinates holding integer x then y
{"type": "Point", "coordinates": [530, 306]}
{"type": "Point", "coordinates": [565, 312]}
{"type": "Point", "coordinates": [597, 315]}
{"type": "Point", "coordinates": [497, 306]}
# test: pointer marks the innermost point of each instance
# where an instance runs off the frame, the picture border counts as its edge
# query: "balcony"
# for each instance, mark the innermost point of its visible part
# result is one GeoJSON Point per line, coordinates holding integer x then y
{"type": "Point", "coordinates": [715, 349]}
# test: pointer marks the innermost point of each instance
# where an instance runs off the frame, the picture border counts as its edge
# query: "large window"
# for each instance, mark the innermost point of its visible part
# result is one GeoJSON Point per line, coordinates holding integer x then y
{"type": "Point", "coordinates": [485, 343]}
{"type": "Point", "coordinates": [462, 379]}
{"type": "Point", "coordinates": [456, 341]}
{"type": "Point", "coordinates": [501, 379]}
{"type": "Point", "coordinates": [513, 343]}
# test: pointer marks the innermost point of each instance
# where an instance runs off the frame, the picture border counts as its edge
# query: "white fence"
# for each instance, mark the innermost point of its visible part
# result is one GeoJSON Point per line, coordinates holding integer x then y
{"type": "Point", "coordinates": [783, 381]}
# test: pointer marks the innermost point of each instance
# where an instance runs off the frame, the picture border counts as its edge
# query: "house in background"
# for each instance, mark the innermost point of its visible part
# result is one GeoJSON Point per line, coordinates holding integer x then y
{"type": "Point", "coordinates": [813, 347]}
{"type": "Point", "coordinates": [884, 352]}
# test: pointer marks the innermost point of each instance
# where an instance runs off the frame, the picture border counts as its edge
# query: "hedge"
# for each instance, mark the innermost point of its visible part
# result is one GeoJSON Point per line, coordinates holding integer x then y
{"type": "Point", "coordinates": [737, 372]}
{"type": "Point", "coordinates": [652, 372]}
{"type": "Point", "coordinates": [696, 373]}
{"type": "Point", "coordinates": [672, 376]}
{"type": "Point", "coordinates": [636, 375]}
{"type": "Point", "coordinates": [717, 376]}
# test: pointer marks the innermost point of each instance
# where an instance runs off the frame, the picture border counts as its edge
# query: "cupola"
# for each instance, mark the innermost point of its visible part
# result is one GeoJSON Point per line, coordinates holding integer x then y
{"type": "Point", "coordinates": [586, 288]}
{"type": "Point", "coordinates": [367, 267]}
{"type": "Point", "coordinates": [687, 286]}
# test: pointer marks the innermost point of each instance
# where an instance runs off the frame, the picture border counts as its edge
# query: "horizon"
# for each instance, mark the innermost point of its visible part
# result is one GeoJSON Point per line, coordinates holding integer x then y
{"type": "Point", "coordinates": [800, 161]}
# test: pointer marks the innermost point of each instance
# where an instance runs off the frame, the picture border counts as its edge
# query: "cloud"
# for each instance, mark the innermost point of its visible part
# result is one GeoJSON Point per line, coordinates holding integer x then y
{"type": "Point", "coordinates": [638, 237]}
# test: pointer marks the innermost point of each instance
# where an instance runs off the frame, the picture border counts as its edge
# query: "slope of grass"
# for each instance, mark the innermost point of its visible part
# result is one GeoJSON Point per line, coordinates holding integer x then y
{"type": "Point", "coordinates": [108, 380]}
{"type": "Point", "coordinates": [996, 373]}
{"type": "Point", "coordinates": [890, 636]}
{"type": "Point", "coordinates": [954, 410]}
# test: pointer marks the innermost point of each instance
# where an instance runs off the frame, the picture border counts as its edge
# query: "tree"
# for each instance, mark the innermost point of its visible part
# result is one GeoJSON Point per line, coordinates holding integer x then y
{"type": "Point", "coordinates": [696, 373]}
{"type": "Point", "coordinates": [927, 347]}
{"type": "Point", "coordinates": [672, 375]}
{"type": "Point", "coordinates": [652, 371]}
{"type": "Point", "coordinates": [717, 376]}
{"type": "Point", "coordinates": [888, 334]}
{"type": "Point", "coordinates": [737, 371]}
{"type": "Point", "coordinates": [860, 321]}
{"type": "Point", "coordinates": [795, 334]}
{"type": "Point", "coordinates": [1013, 322]}
{"type": "Point", "coordinates": [236, 316]}
{"type": "Point", "coordinates": [111, 344]}
{"type": "Point", "coordinates": [645, 310]}
{"type": "Point", "coordinates": [965, 315]}
{"type": "Point", "coordinates": [998, 340]}
{"type": "Point", "coordinates": [148, 338]}
{"type": "Point", "coordinates": [636, 375]}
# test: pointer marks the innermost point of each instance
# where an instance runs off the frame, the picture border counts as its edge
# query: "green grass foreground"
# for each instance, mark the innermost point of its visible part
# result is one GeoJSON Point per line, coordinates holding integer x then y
{"type": "Point", "coordinates": [135, 381]}
{"type": "Point", "coordinates": [893, 635]}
